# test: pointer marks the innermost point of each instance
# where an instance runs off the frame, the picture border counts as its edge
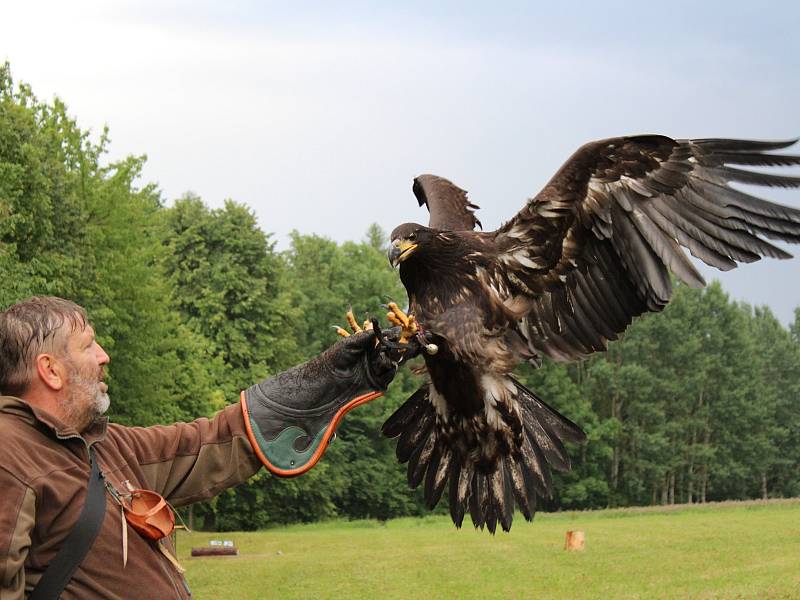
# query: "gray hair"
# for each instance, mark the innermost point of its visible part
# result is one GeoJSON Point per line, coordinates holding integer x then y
{"type": "Point", "coordinates": [30, 328]}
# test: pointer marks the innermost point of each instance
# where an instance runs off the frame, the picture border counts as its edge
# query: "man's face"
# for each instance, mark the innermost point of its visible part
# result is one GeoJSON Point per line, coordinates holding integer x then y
{"type": "Point", "coordinates": [87, 393]}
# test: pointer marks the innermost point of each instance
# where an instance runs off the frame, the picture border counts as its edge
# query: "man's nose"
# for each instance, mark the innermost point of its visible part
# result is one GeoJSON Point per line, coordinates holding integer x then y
{"type": "Point", "coordinates": [102, 357]}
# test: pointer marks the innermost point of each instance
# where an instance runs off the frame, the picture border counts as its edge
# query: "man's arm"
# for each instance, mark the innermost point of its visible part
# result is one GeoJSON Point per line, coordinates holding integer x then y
{"type": "Point", "coordinates": [187, 462]}
{"type": "Point", "coordinates": [17, 516]}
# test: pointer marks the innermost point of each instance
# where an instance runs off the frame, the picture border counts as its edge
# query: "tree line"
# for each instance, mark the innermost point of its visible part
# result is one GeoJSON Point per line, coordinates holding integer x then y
{"type": "Point", "coordinates": [193, 303]}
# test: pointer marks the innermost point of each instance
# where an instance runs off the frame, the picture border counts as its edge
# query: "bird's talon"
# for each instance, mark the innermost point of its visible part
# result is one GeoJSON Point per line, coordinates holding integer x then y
{"type": "Point", "coordinates": [351, 321]}
{"type": "Point", "coordinates": [398, 312]}
{"type": "Point", "coordinates": [394, 320]}
{"type": "Point", "coordinates": [353, 325]}
{"type": "Point", "coordinates": [407, 322]}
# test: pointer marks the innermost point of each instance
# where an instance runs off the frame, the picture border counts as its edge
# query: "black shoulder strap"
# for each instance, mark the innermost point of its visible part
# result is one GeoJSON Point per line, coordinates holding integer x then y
{"type": "Point", "coordinates": [77, 544]}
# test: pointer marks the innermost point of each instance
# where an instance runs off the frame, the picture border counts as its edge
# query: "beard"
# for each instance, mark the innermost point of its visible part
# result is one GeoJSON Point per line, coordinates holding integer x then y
{"type": "Point", "coordinates": [88, 396]}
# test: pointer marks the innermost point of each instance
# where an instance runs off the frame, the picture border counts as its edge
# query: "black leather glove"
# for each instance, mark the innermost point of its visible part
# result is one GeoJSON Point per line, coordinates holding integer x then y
{"type": "Point", "coordinates": [291, 417]}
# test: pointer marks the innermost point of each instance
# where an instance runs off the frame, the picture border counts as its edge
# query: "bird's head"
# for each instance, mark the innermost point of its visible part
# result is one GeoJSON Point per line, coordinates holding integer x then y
{"type": "Point", "coordinates": [409, 239]}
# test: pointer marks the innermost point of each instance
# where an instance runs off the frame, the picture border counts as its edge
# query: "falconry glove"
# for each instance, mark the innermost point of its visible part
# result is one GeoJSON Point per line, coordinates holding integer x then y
{"type": "Point", "coordinates": [291, 417]}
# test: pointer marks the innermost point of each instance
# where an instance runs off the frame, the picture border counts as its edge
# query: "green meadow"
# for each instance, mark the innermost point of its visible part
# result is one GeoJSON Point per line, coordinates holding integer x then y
{"type": "Point", "coordinates": [725, 550]}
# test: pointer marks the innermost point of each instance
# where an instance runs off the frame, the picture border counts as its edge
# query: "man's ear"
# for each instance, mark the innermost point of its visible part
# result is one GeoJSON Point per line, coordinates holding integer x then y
{"type": "Point", "coordinates": [51, 371]}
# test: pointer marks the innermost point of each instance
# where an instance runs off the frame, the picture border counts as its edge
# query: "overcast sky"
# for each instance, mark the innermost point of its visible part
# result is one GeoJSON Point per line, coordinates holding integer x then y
{"type": "Point", "coordinates": [318, 115]}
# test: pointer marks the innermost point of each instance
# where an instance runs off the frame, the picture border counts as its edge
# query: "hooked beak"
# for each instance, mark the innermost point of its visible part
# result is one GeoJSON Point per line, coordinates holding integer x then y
{"type": "Point", "coordinates": [400, 250]}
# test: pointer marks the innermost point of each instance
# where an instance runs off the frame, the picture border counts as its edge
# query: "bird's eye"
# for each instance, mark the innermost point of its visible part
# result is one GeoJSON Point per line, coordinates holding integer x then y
{"type": "Point", "coordinates": [412, 236]}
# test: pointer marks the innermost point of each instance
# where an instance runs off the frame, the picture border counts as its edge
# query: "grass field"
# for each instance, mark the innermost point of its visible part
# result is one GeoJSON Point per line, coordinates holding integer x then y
{"type": "Point", "coordinates": [728, 550]}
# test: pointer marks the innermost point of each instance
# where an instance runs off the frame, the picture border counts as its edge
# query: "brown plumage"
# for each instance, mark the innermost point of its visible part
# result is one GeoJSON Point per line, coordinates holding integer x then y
{"type": "Point", "coordinates": [569, 272]}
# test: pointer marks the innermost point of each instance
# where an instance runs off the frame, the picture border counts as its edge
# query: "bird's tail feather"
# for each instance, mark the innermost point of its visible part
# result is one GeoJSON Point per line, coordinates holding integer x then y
{"type": "Point", "coordinates": [490, 494]}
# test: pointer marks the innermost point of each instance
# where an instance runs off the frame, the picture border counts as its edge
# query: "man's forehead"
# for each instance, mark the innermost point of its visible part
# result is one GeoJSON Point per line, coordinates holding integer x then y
{"type": "Point", "coordinates": [82, 331]}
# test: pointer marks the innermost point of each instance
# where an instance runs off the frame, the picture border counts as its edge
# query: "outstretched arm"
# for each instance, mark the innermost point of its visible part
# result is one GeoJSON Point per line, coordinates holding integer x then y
{"type": "Point", "coordinates": [285, 422]}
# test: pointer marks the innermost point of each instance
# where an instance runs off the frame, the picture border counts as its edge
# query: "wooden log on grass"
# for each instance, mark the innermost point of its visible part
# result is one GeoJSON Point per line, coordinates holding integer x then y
{"type": "Point", "coordinates": [215, 551]}
{"type": "Point", "coordinates": [576, 540]}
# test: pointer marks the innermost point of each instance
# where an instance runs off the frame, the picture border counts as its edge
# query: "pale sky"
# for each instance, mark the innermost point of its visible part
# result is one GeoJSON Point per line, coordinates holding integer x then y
{"type": "Point", "coordinates": [318, 115]}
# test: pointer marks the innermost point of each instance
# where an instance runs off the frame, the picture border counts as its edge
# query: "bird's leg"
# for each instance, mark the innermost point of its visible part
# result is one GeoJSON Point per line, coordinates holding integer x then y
{"type": "Point", "coordinates": [371, 325]}
{"type": "Point", "coordinates": [409, 331]}
{"type": "Point", "coordinates": [407, 323]}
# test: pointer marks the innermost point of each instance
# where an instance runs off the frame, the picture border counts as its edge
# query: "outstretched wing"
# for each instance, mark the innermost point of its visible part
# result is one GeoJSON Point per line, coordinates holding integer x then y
{"type": "Point", "coordinates": [446, 202]}
{"type": "Point", "coordinates": [594, 248]}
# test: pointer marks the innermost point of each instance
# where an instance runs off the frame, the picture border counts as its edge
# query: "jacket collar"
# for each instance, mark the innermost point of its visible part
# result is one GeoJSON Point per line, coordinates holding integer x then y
{"type": "Point", "coordinates": [33, 414]}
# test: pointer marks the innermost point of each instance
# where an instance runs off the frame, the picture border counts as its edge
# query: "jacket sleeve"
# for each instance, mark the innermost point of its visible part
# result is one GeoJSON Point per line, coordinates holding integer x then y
{"type": "Point", "coordinates": [17, 512]}
{"type": "Point", "coordinates": [187, 462]}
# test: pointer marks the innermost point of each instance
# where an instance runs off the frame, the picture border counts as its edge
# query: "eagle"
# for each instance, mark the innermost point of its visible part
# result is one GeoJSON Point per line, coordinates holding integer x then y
{"type": "Point", "coordinates": [590, 252]}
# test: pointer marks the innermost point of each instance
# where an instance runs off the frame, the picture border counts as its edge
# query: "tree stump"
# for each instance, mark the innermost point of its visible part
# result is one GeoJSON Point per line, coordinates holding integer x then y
{"type": "Point", "coordinates": [576, 540]}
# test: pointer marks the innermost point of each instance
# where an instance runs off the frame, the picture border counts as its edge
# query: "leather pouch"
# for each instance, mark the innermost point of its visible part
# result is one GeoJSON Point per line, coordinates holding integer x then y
{"type": "Point", "coordinates": [149, 514]}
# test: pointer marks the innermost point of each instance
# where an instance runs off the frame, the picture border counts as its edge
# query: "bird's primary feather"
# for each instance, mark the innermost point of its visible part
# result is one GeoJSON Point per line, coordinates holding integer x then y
{"type": "Point", "coordinates": [569, 272]}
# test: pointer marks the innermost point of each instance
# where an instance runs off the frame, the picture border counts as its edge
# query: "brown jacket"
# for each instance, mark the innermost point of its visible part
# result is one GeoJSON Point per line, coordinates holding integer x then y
{"type": "Point", "coordinates": [44, 471]}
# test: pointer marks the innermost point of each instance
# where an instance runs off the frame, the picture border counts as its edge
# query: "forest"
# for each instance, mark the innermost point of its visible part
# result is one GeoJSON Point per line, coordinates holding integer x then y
{"type": "Point", "coordinates": [696, 404]}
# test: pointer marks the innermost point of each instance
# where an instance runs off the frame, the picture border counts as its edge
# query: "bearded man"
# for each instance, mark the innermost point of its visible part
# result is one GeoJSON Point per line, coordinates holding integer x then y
{"type": "Point", "coordinates": [54, 438]}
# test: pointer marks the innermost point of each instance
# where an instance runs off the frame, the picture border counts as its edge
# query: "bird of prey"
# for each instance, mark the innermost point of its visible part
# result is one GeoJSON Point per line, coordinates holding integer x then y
{"type": "Point", "coordinates": [567, 273]}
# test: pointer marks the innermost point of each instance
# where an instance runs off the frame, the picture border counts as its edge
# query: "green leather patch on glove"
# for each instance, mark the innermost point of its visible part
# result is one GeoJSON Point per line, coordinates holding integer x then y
{"type": "Point", "coordinates": [281, 452]}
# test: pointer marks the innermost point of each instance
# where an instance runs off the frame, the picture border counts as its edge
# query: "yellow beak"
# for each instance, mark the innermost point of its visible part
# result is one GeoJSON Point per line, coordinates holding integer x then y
{"type": "Point", "coordinates": [401, 250]}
